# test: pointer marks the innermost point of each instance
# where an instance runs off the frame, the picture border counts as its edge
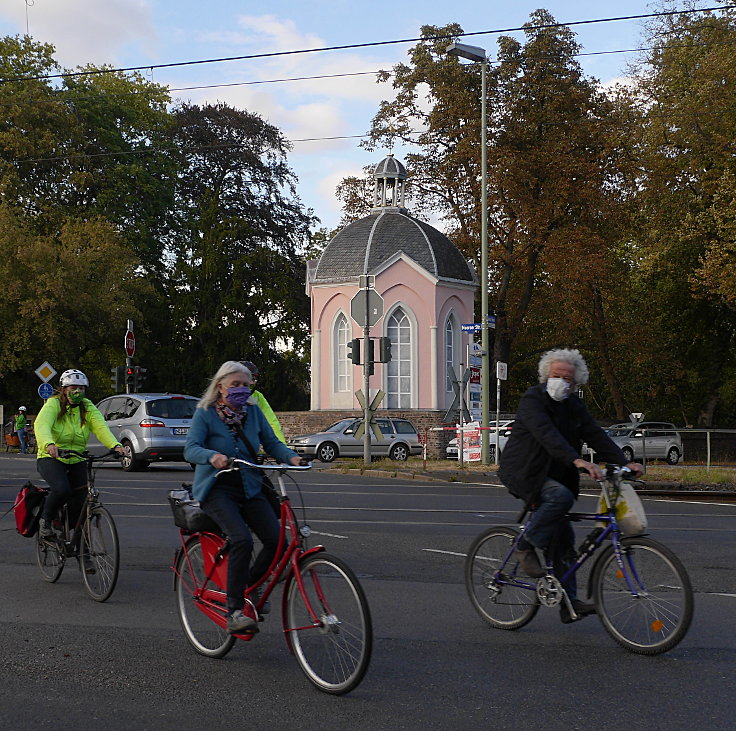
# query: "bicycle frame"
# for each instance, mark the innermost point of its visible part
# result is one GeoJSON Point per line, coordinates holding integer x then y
{"type": "Point", "coordinates": [211, 600]}
{"type": "Point", "coordinates": [611, 530]}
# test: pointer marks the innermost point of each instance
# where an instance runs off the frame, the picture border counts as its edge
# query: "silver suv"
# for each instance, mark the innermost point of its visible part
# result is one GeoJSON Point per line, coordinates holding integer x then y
{"type": "Point", "coordinates": [648, 440]}
{"type": "Point", "coordinates": [150, 426]}
{"type": "Point", "coordinates": [400, 439]}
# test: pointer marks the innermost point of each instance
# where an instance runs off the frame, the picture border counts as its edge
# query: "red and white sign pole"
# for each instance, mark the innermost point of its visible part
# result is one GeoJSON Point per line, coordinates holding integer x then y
{"type": "Point", "coordinates": [129, 351]}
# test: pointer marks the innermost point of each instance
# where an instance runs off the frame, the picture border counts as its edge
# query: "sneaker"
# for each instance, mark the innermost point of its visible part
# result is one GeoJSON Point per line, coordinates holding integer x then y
{"type": "Point", "coordinates": [238, 622]}
{"type": "Point", "coordinates": [529, 563]}
{"type": "Point", "coordinates": [582, 609]}
{"type": "Point", "coordinates": [44, 528]}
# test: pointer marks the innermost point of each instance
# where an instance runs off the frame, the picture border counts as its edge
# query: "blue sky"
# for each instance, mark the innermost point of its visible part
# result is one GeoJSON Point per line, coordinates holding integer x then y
{"type": "Point", "coordinates": [138, 32]}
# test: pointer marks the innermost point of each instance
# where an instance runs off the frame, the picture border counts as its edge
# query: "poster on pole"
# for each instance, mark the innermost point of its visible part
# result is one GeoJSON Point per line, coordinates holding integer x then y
{"type": "Point", "coordinates": [469, 438]}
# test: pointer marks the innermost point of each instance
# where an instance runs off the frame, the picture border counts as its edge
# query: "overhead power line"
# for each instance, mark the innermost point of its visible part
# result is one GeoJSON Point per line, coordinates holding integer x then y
{"type": "Point", "coordinates": [372, 44]}
{"type": "Point", "coordinates": [320, 77]}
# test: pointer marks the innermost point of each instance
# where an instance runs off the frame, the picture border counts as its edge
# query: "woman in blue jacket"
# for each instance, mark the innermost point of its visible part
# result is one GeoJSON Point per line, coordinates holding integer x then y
{"type": "Point", "coordinates": [226, 416]}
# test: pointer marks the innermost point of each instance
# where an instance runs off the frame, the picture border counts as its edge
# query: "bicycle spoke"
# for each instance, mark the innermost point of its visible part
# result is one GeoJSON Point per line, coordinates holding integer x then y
{"type": "Point", "coordinates": [502, 600]}
{"type": "Point", "coordinates": [647, 608]}
{"type": "Point", "coordinates": [333, 641]}
{"type": "Point", "coordinates": [203, 633]}
{"type": "Point", "coordinates": [99, 554]}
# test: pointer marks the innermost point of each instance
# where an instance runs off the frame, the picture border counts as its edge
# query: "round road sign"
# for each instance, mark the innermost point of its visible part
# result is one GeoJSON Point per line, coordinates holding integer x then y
{"type": "Point", "coordinates": [45, 390]}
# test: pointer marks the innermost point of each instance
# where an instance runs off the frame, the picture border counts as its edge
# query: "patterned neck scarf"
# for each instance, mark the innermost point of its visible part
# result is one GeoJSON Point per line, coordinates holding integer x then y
{"type": "Point", "coordinates": [230, 417]}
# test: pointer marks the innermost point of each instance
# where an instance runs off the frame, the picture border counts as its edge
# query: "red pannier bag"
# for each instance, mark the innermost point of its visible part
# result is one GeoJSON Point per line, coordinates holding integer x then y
{"type": "Point", "coordinates": [27, 509]}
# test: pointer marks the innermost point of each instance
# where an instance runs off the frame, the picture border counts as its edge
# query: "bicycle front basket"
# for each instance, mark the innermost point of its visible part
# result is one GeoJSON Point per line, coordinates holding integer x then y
{"type": "Point", "coordinates": [188, 515]}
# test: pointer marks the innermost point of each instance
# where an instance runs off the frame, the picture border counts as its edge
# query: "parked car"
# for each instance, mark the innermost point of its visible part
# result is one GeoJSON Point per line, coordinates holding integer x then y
{"type": "Point", "coordinates": [400, 439]}
{"type": "Point", "coordinates": [650, 439]}
{"type": "Point", "coordinates": [504, 433]}
{"type": "Point", "coordinates": [150, 426]}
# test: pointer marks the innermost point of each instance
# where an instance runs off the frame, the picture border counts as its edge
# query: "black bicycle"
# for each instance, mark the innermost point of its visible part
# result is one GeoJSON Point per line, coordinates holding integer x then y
{"type": "Point", "coordinates": [92, 541]}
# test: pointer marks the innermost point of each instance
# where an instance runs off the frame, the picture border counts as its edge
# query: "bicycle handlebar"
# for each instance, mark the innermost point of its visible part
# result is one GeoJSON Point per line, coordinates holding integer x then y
{"type": "Point", "coordinates": [235, 461]}
{"type": "Point", "coordinates": [87, 456]}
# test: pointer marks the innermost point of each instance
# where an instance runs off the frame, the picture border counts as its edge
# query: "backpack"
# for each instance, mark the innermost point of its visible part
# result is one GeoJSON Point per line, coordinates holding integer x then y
{"type": "Point", "coordinates": [27, 509]}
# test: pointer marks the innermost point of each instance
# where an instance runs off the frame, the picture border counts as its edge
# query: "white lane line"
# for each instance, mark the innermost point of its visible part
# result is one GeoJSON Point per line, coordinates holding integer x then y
{"type": "Point", "coordinates": [447, 553]}
{"type": "Point", "coordinates": [329, 535]}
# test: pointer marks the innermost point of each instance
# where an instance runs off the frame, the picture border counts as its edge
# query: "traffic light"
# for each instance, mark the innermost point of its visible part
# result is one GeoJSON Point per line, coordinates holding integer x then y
{"type": "Point", "coordinates": [118, 378]}
{"type": "Point", "coordinates": [354, 351]}
{"type": "Point", "coordinates": [384, 350]}
{"type": "Point", "coordinates": [129, 379]}
{"type": "Point", "coordinates": [140, 377]}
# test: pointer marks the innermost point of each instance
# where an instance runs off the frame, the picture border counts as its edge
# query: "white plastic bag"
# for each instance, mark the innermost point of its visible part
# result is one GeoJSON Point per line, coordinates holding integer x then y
{"type": "Point", "coordinates": [632, 520]}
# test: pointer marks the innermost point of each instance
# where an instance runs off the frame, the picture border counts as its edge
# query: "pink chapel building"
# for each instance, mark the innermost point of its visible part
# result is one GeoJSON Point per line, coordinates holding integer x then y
{"type": "Point", "coordinates": [428, 291]}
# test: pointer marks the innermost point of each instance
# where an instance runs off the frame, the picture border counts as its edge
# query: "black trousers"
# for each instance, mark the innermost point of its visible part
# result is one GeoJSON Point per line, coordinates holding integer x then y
{"type": "Point", "coordinates": [66, 485]}
{"type": "Point", "coordinates": [237, 515]}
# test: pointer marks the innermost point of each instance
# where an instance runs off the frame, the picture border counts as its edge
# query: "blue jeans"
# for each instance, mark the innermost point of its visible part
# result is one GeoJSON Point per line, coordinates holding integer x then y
{"type": "Point", "coordinates": [228, 506]}
{"type": "Point", "coordinates": [549, 530]}
{"type": "Point", "coordinates": [22, 439]}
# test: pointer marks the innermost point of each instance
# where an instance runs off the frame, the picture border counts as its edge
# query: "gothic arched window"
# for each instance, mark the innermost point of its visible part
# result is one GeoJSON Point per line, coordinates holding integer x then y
{"type": "Point", "coordinates": [398, 378]}
{"type": "Point", "coordinates": [340, 349]}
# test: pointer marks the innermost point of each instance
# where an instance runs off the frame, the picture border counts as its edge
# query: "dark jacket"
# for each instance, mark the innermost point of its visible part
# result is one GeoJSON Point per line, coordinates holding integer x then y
{"type": "Point", "coordinates": [546, 439]}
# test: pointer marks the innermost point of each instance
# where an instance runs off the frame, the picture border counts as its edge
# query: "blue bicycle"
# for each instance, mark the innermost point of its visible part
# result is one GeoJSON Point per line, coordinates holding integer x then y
{"type": "Point", "coordinates": [641, 590]}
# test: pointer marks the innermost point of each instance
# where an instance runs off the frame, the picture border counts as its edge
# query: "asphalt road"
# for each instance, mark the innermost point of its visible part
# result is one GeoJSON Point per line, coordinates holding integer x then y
{"type": "Point", "coordinates": [68, 662]}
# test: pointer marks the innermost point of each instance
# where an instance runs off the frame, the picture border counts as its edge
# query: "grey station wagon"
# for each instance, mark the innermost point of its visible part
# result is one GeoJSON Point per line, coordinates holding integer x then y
{"type": "Point", "coordinates": [648, 440]}
{"type": "Point", "coordinates": [150, 426]}
{"type": "Point", "coordinates": [400, 439]}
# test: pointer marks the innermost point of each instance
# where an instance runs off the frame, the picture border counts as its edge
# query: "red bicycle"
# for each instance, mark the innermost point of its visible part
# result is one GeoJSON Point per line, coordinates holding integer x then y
{"type": "Point", "coordinates": [325, 614]}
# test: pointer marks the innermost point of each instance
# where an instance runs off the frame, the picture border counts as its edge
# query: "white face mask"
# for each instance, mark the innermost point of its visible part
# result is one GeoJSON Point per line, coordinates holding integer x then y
{"type": "Point", "coordinates": [558, 388]}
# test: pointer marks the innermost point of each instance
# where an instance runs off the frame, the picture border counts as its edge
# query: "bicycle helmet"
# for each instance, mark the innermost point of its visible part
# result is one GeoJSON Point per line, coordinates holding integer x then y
{"type": "Point", "coordinates": [73, 377]}
{"type": "Point", "coordinates": [21, 408]}
{"type": "Point", "coordinates": [252, 367]}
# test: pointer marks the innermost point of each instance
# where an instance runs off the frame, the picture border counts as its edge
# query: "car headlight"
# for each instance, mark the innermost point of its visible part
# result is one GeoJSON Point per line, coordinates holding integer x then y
{"type": "Point", "coordinates": [300, 441]}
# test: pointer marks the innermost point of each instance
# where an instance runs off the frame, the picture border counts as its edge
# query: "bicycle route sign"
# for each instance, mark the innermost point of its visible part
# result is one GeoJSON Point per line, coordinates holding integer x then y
{"type": "Point", "coordinates": [45, 391]}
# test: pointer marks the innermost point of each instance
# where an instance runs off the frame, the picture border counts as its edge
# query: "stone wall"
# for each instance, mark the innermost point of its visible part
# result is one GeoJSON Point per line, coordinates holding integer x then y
{"type": "Point", "coordinates": [307, 422]}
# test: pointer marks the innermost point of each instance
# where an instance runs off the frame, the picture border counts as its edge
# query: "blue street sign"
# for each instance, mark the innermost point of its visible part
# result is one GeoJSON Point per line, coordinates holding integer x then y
{"type": "Point", "coordinates": [474, 327]}
{"type": "Point", "coordinates": [45, 390]}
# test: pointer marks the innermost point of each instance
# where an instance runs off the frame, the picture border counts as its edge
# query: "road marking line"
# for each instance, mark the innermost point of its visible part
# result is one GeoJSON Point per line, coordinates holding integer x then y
{"type": "Point", "coordinates": [448, 553]}
{"type": "Point", "coordinates": [329, 535]}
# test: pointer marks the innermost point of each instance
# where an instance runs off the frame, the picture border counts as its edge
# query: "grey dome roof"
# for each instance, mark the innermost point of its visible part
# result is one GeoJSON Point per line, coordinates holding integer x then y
{"type": "Point", "coordinates": [390, 167]}
{"type": "Point", "coordinates": [364, 245]}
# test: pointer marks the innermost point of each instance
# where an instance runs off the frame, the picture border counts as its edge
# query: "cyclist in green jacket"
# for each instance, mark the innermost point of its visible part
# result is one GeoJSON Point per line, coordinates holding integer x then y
{"type": "Point", "coordinates": [20, 427]}
{"type": "Point", "coordinates": [65, 422]}
{"type": "Point", "coordinates": [260, 399]}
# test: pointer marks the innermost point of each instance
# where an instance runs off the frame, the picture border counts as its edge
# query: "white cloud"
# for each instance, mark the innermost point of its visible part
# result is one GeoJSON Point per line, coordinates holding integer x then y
{"type": "Point", "coordinates": [86, 31]}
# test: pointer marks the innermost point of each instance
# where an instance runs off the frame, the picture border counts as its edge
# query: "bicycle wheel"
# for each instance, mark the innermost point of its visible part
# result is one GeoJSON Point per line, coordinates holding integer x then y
{"type": "Point", "coordinates": [205, 636]}
{"type": "Point", "coordinates": [333, 652]}
{"type": "Point", "coordinates": [657, 615]}
{"type": "Point", "coordinates": [50, 559]}
{"type": "Point", "coordinates": [100, 554]}
{"type": "Point", "coordinates": [492, 591]}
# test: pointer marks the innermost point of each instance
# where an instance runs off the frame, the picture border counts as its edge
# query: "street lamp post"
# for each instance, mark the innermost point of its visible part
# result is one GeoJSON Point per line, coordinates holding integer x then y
{"type": "Point", "coordinates": [475, 53]}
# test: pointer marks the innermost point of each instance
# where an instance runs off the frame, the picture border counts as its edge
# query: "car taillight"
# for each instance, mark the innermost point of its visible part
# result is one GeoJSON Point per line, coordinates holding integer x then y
{"type": "Point", "coordinates": [151, 423]}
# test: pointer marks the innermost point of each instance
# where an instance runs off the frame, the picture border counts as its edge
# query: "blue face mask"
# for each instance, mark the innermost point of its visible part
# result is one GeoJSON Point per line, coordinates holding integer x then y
{"type": "Point", "coordinates": [238, 396]}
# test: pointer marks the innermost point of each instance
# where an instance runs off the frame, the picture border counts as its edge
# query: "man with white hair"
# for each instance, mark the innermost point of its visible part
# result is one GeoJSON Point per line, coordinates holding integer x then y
{"type": "Point", "coordinates": [541, 460]}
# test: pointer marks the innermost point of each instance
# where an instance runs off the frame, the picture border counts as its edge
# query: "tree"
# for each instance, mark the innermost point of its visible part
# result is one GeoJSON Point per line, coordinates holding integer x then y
{"type": "Point", "coordinates": [62, 295]}
{"type": "Point", "coordinates": [551, 168]}
{"type": "Point", "coordinates": [684, 202]}
{"type": "Point", "coordinates": [238, 238]}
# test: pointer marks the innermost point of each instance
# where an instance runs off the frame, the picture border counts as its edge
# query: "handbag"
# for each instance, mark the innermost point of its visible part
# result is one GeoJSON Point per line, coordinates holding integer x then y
{"type": "Point", "coordinates": [630, 514]}
{"type": "Point", "coordinates": [27, 508]}
{"type": "Point", "coordinates": [269, 491]}
{"type": "Point", "coordinates": [188, 515]}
